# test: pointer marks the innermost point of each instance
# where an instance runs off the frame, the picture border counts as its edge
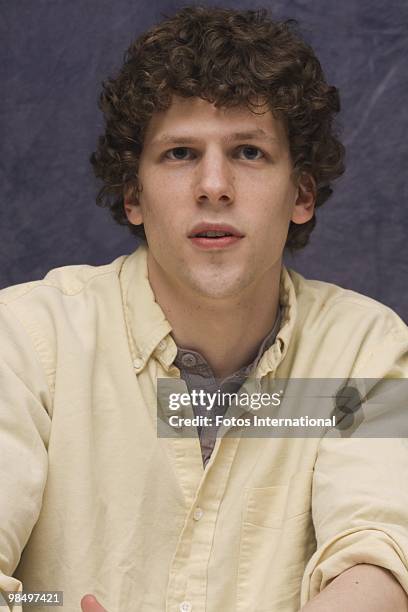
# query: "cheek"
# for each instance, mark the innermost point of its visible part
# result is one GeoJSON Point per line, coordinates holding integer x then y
{"type": "Point", "coordinates": [274, 193]}
{"type": "Point", "coordinates": [166, 203]}
{"type": "Point", "coordinates": [271, 214]}
{"type": "Point", "coordinates": [153, 202]}
{"type": "Point", "coordinates": [159, 217]}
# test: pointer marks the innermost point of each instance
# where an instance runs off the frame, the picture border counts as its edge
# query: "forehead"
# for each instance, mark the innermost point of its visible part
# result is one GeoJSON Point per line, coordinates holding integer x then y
{"type": "Point", "coordinates": [197, 118]}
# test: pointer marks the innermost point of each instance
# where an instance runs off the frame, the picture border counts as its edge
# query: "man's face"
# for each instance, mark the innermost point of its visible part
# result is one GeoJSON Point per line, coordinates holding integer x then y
{"type": "Point", "coordinates": [217, 167]}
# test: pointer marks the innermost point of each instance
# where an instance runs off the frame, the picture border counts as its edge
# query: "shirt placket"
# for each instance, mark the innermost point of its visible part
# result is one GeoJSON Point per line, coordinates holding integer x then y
{"type": "Point", "coordinates": [187, 586]}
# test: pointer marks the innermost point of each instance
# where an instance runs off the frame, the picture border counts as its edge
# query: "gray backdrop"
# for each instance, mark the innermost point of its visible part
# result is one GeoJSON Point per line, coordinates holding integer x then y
{"type": "Point", "coordinates": [56, 53]}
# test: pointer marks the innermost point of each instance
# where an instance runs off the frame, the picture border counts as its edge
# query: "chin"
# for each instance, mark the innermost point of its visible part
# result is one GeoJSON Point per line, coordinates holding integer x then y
{"type": "Point", "coordinates": [218, 288]}
{"type": "Point", "coordinates": [217, 294]}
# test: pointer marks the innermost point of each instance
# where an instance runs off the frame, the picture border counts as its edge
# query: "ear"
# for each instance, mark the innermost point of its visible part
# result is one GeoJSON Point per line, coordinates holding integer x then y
{"type": "Point", "coordinates": [306, 198]}
{"type": "Point", "coordinates": [133, 209]}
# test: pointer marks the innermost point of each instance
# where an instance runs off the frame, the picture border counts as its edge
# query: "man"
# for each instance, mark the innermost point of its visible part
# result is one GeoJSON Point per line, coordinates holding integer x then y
{"type": "Point", "coordinates": [218, 149]}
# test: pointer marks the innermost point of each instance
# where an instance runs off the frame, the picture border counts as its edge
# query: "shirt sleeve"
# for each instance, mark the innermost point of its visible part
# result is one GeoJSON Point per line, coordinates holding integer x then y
{"type": "Point", "coordinates": [360, 510]}
{"type": "Point", "coordinates": [24, 431]}
{"type": "Point", "coordinates": [360, 491]}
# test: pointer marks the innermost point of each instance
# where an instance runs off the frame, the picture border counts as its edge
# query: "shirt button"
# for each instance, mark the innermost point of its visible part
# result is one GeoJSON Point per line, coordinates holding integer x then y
{"type": "Point", "coordinates": [137, 363]}
{"type": "Point", "coordinates": [188, 360]}
{"type": "Point", "coordinates": [185, 606]}
{"type": "Point", "coordinates": [198, 513]}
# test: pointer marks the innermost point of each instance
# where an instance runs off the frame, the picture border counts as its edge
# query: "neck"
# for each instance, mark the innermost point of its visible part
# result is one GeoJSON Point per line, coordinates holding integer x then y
{"type": "Point", "coordinates": [226, 331]}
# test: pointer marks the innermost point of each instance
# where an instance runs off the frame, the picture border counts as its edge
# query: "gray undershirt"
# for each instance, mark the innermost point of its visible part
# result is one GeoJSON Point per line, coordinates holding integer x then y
{"type": "Point", "coordinates": [197, 374]}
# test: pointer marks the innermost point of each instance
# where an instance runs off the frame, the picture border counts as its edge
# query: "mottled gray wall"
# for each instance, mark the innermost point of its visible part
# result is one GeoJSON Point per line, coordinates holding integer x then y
{"type": "Point", "coordinates": [55, 53]}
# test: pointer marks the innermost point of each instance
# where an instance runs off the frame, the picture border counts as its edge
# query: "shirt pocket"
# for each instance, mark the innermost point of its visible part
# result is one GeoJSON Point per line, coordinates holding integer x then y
{"type": "Point", "coordinates": [277, 539]}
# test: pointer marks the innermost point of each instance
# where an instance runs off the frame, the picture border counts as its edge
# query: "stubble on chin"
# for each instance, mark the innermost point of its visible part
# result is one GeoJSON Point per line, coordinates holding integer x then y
{"type": "Point", "coordinates": [216, 283]}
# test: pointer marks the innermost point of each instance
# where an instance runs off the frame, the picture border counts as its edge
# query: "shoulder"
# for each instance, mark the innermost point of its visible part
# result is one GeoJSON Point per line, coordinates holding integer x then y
{"type": "Point", "coordinates": [64, 281]}
{"type": "Point", "coordinates": [59, 311]}
{"type": "Point", "coordinates": [65, 297]}
{"type": "Point", "coordinates": [320, 301]}
{"type": "Point", "coordinates": [348, 331]}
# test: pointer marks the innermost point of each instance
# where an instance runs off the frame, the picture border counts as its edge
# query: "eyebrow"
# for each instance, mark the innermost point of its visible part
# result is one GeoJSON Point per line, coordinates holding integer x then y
{"type": "Point", "coordinates": [257, 134]}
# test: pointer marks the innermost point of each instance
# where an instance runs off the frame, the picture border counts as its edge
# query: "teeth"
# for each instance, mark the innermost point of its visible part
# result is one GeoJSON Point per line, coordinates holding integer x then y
{"type": "Point", "coordinates": [214, 234]}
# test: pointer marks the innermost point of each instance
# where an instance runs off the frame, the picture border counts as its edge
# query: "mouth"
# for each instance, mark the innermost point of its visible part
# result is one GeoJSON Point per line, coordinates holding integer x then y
{"type": "Point", "coordinates": [214, 236]}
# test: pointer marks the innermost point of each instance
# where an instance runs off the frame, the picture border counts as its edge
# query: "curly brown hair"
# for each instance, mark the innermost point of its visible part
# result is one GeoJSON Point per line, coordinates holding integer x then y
{"type": "Point", "coordinates": [230, 58]}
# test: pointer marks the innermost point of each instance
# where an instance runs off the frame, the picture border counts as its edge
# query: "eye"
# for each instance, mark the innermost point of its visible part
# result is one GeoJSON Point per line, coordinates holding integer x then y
{"type": "Point", "coordinates": [251, 153]}
{"type": "Point", "coordinates": [178, 153]}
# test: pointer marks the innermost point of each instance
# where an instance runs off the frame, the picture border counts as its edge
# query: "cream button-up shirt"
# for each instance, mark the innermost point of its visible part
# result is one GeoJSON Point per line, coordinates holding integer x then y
{"type": "Point", "coordinates": [93, 501]}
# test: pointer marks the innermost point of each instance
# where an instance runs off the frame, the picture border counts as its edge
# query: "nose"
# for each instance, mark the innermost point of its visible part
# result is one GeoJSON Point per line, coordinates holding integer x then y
{"type": "Point", "coordinates": [214, 181]}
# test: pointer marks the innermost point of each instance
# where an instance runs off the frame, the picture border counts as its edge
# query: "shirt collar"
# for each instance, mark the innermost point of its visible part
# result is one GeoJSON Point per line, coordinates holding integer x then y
{"type": "Point", "coordinates": [149, 330]}
{"type": "Point", "coordinates": [145, 321]}
{"type": "Point", "coordinates": [288, 303]}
